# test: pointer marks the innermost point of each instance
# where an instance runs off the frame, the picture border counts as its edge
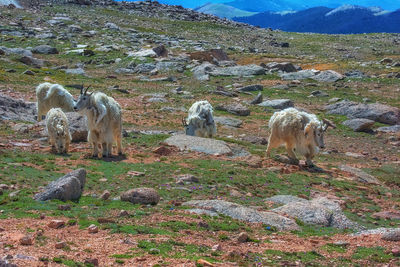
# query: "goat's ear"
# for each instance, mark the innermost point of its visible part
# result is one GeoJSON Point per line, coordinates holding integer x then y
{"type": "Point", "coordinates": [308, 129]}
{"type": "Point", "coordinates": [90, 94]}
{"type": "Point", "coordinates": [327, 123]}
{"type": "Point", "coordinates": [184, 122]}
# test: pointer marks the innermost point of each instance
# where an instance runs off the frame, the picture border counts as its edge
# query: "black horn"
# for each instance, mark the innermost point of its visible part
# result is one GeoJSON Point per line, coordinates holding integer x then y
{"type": "Point", "coordinates": [86, 90]}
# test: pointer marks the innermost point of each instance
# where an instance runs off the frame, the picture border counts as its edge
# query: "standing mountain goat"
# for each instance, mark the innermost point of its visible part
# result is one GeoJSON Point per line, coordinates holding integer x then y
{"type": "Point", "coordinates": [52, 96]}
{"type": "Point", "coordinates": [104, 121]}
{"type": "Point", "coordinates": [299, 131]}
{"type": "Point", "coordinates": [200, 120]}
{"type": "Point", "coordinates": [57, 128]}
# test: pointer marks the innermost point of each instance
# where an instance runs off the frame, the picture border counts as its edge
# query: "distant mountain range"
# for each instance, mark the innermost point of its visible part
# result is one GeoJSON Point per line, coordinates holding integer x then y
{"type": "Point", "coordinates": [223, 11]}
{"type": "Point", "coordinates": [285, 5]}
{"type": "Point", "coordinates": [346, 19]}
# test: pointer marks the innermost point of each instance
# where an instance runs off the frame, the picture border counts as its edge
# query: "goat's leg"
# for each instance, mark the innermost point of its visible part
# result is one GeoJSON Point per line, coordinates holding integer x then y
{"type": "Point", "coordinates": [109, 149]}
{"type": "Point", "coordinates": [272, 143]}
{"type": "Point", "coordinates": [290, 151]}
{"type": "Point", "coordinates": [105, 147]}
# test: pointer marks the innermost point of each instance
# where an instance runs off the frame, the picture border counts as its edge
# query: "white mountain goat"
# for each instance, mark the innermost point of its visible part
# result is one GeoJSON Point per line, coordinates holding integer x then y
{"type": "Point", "coordinates": [52, 96]}
{"type": "Point", "coordinates": [104, 121]}
{"type": "Point", "coordinates": [57, 128]}
{"type": "Point", "coordinates": [299, 131]}
{"type": "Point", "coordinates": [200, 121]}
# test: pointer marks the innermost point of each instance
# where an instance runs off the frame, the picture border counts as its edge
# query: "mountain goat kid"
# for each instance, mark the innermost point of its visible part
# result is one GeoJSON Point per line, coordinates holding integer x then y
{"type": "Point", "coordinates": [52, 96]}
{"type": "Point", "coordinates": [104, 121]}
{"type": "Point", "coordinates": [299, 131]}
{"type": "Point", "coordinates": [200, 121]}
{"type": "Point", "coordinates": [57, 128]}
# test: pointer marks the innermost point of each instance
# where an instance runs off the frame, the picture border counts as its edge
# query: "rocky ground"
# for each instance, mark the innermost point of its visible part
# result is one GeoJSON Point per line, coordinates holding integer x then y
{"type": "Point", "coordinates": [178, 200]}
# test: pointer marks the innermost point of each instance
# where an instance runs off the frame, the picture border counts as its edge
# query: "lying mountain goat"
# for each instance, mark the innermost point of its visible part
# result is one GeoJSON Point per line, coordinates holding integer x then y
{"type": "Point", "coordinates": [57, 128]}
{"type": "Point", "coordinates": [299, 131]}
{"type": "Point", "coordinates": [104, 121]}
{"type": "Point", "coordinates": [52, 96]}
{"type": "Point", "coordinates": [200, 120]}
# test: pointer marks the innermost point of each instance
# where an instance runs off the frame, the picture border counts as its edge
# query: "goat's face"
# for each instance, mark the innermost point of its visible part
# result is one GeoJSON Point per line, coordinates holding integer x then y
{"type": "Point", "coordinates": [319, 137]}
{"type": "Point", "coordinates": [83, 101]}
{"type": "Point", "coordinates": [60, 141]}
{"type": "Point", "coordinates": [190, 129]}
{"type": "Point", "coordinates": [315, 134]}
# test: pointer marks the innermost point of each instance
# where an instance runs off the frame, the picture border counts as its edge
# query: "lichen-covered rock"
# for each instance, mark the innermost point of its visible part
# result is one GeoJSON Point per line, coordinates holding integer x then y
{"type": "Point", "coordinates": [141, 195]}
{"type": "Point", "coordinates": [68, 187]}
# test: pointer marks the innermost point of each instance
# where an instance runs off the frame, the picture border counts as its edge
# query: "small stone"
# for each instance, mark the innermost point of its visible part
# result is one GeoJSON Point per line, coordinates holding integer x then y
{"type": "Point", "coordinates": [64, 207]}
{"type": "Point", "coordinates": [243, 237]}
{"type": "Point", "coordinates": [235, 193]}
{"type": "Point", "coordinates": [26, 240]}
{"type": "Point", "coordinates": [60, 245]}
{"type": "Point", "coordinates": [55, 224]}
{"type": "Point", "coordinates": [42, 216]}
{"type": "Point", "coordinates": [4, 187]}
{"type": "Point", "coordinates": [105, 195]}
{"type": "Point", "coordinates": [93, 229]}
{"type": "Point", "coordinates": [29, 72]}
{"type": "Point", "coordinates": [203, 224]}
{"type": "Point", "coordinates": [94, 262]}
{"type": "Point", "coordinates": [217, 247]}
{"type": "Point", "coordinates": [123, 213]}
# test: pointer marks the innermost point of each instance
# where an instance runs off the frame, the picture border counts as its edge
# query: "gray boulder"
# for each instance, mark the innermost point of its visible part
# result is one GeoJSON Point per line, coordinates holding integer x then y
{"type": "Point", "coordinates": [232, 122]}
{"type": "Point", "coordinates": [246, 214]}
{"type": "Point", "coordinates": [389, 129]}
{"type": "Point", "coordinates": [201, 72]}
{"type": "Point", "coordinates": [68, 187]}
{"type": "Point", "coordinates": [328, 76]}
{"type": "Point", "coordinates": [299, 75]}
{"type": "Point", "coordinates": [77, 126]}
{"type": "Point", "coordinates": [280, 66]}
{"type": "Point", "coordinates": [277, 103]}
{"type": "Point", "coordinates": [45, 49]}
{"type": "Point", "coordinates": [111, 26]}
{"type": "Point", "coordinates": [257, 100]}
{"type": "Point", "coordinates": [247, 70]}
{"type": "Point", "coordinates": [359, 125]}
{"type": "Point", "coordinates": [376, 112]}
{"type": "Point", "coordinates": [360, 175]}
{"type": "Point", "coordinates": [144, 68]}
{"type": "Point", "coordinates": [77, 71]}
{"type": "Point", "coordinates": [285, 199]}
{"type": "Point", "coordinates": [251, 88]}
{"type": "Point", "coordinates": [16, 51]}
{"type": "Point", "coordinates": [141, 195]}
{"type": "Point", "coordinates": [392, 235]}
{"type": "Point", "coordinates": [199, 144]}
{"type": "Point", "coordinates": [17, 109]}
{"type": "Point", "coordinates": [31, 61]}
{"type": "Point", "coordinates": [74, 29]}
{"type": "Point", "coordinates": [319, 211]}
{"type": "Point", "coordinates": [235, 108]}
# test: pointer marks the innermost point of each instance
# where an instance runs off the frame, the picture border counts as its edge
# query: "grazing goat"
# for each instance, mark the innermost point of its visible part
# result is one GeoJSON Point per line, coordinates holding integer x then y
{"type": "Point", "coordinates": [57, 128]}
{"type": "Point", "coordinates": [200, 121]}
{"type": "Point", "coordinates": [104, 121]}
{"type": "Point", "coordinates": [52, 96]}
{"type": "Point", "coordinates": [299, 131]}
